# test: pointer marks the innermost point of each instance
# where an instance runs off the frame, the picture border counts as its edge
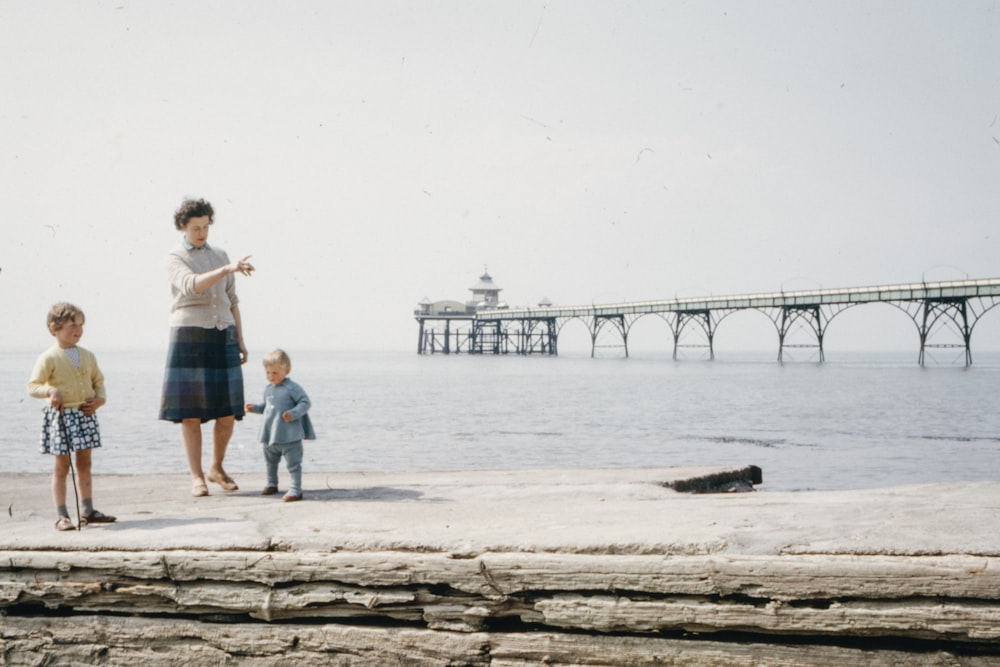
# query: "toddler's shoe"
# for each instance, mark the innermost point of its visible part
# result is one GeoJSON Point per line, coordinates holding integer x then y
{"type": "Point", "coordinates": [269, 491]}
{"type": "Point", "coordinates": [64, 523]}
{"type": "Point", "coordinates": [291, 498]}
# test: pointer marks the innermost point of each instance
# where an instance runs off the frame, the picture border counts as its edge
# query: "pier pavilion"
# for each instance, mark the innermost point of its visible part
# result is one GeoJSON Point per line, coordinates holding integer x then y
{"type": "Point", "coordinates": [450, 316]}
{"type": "Point", "coordinates": [944, 313]}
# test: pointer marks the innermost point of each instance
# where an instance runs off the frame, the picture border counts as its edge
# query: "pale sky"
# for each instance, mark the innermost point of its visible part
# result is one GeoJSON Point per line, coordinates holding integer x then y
{"type": "Point", "coordinates": [370, 154]}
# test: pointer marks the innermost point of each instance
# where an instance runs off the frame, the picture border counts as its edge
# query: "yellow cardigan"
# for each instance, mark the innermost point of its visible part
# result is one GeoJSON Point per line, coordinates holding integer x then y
{"type": "Point", "coordinates": [54, 370]}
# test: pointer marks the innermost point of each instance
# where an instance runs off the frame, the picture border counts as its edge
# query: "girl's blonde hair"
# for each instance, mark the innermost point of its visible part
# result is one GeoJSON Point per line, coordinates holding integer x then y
{"type": "Point", "coordinates": [277, 358]}
{"type": "Point", "coordinates": [62, 314]}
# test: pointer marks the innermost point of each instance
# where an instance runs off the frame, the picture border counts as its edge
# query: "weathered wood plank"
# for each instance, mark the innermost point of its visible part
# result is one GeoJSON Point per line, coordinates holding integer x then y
{"type": "Point", "coordinates": [941, 597]}
{"type": "Point", "coordinates": [789, 577]}
{"type": "Point", "coordinates": [916, 619]}
{"type": "Point", "coordinates": [125, 642]}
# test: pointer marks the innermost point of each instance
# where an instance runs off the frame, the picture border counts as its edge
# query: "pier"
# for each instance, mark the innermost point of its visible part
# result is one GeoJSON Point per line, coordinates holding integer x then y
{"type": "Point", "coordinates": [944, 314]}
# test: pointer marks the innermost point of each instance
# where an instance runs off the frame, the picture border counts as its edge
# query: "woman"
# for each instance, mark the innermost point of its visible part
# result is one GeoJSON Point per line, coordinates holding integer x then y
{"type": "Point", "coordinates": [203, 379]}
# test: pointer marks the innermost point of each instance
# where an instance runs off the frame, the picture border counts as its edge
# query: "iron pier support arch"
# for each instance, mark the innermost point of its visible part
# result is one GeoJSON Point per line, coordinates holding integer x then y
{"type": "Point", "coordinates": [941, 316]}
{"type": "Point", "coordinates": [618, 322]}
{"type": "Point", "coordinates": [810, 317]}
{"type": "Point", "coordinates": [955, 311]}
{"type": "Point", "coordinates": [701, 318]}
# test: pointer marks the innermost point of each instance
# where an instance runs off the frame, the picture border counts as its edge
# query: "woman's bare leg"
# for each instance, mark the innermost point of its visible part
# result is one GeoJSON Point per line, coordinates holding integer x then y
{"type": "Point", "coordinates": [220, 442]}
{"type": "Point", "coordinates": [191, 434]}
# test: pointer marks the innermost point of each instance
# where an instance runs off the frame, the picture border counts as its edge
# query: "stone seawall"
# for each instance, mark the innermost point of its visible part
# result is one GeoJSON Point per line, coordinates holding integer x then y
{"type": "Point", "coordinates": [580, 567]}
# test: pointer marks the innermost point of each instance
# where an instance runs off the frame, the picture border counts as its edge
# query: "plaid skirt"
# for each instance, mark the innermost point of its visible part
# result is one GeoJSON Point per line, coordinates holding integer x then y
{"type": "Point", "coordinates": [203, 378]}
{"type": "Point", "coordinates": [79, 431]}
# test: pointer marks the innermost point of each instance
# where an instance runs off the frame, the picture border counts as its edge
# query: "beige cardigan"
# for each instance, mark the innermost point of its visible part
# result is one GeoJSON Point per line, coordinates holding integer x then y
{"type": "Point", "coordinates": [53, 369]}
{"type": "Point", "coordinates": [211, 309]}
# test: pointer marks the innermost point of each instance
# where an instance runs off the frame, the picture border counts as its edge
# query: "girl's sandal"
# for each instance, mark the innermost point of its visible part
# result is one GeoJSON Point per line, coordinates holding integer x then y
{"type": "Point", "coordinates": [64, 523]}
{"type": "Point", "coordinates": [199, 489]}
{"type": "Point", "coordinates": [97, 517]}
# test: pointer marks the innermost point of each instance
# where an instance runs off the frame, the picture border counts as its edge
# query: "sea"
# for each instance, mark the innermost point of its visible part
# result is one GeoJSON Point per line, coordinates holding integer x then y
{"type": "Point", "coordinates": [856, 420]}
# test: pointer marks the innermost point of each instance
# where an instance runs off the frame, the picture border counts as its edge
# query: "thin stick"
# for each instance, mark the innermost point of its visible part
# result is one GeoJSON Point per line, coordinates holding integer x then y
{"type": "Point", "coordinates": [72, 468]}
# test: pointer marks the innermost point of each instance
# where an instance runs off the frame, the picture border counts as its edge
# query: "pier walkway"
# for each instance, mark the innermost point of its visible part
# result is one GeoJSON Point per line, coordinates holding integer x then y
{"type": "Point", "coordinates": [944, 313]}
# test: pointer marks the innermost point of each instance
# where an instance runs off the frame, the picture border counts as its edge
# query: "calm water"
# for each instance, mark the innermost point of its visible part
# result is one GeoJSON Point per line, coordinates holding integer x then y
{"type": "Point", "coordinates": [859, 421]}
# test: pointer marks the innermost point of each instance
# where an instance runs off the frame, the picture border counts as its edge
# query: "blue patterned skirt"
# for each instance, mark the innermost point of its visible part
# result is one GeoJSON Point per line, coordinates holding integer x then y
{"type": "Point", "coordinates": [203, 378]}
{"type": "Point", "coordinates": [80, 431]}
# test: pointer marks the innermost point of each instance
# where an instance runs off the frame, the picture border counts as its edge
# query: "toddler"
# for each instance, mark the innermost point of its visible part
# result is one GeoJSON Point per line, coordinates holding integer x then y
{"type": "Point", "coordinates": [285, 424]}
{"type": "Point", "coordinates": [68, 377]}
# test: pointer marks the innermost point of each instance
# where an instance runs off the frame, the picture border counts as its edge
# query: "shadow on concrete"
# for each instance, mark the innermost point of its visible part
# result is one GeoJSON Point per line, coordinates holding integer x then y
{"type": "Point", "coordinates": [160, 524]}
{"type": "Point", "coordinates": [370, 494]}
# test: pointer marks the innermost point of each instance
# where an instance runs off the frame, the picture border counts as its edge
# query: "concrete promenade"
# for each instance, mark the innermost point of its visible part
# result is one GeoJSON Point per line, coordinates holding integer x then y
{"type": "Point", "coordinates": [596, 567]}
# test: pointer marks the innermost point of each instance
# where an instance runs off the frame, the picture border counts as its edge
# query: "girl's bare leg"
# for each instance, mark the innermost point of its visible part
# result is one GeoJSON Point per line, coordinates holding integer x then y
{"type": "Point", "coordinates": [85, 481]}
{"type": "Point", "coordinates": [59, 480]}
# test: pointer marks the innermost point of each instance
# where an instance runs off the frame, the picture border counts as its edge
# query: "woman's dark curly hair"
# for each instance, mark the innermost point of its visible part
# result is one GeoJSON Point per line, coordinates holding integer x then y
{"type": "Point", "coordinates": [193, 208]}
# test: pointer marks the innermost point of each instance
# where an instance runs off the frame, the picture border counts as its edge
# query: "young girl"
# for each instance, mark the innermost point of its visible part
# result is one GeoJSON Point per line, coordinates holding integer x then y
{"type": "Point", "coordinates": [285, 425]}
{"type": "Point", "coordinates": [68, 377]}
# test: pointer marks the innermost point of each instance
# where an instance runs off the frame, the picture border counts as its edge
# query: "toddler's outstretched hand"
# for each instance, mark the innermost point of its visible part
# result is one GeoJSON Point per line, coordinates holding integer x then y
{"type": "Point", "coordinates": [248, 407]}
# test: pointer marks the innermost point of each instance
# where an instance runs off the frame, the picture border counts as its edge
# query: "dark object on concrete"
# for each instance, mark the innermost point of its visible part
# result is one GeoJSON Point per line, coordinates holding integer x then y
{"type": "Point", "coordinates": [728, 481]}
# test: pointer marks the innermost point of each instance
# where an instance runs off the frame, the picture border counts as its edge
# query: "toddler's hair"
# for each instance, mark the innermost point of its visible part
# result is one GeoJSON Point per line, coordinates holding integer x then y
{"type": "Point", "coordinates": [278, 358]}
{"type": "Point", "coordinates": [62, 314]}
{"type": "Point", "coordinates": [193, 208]}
